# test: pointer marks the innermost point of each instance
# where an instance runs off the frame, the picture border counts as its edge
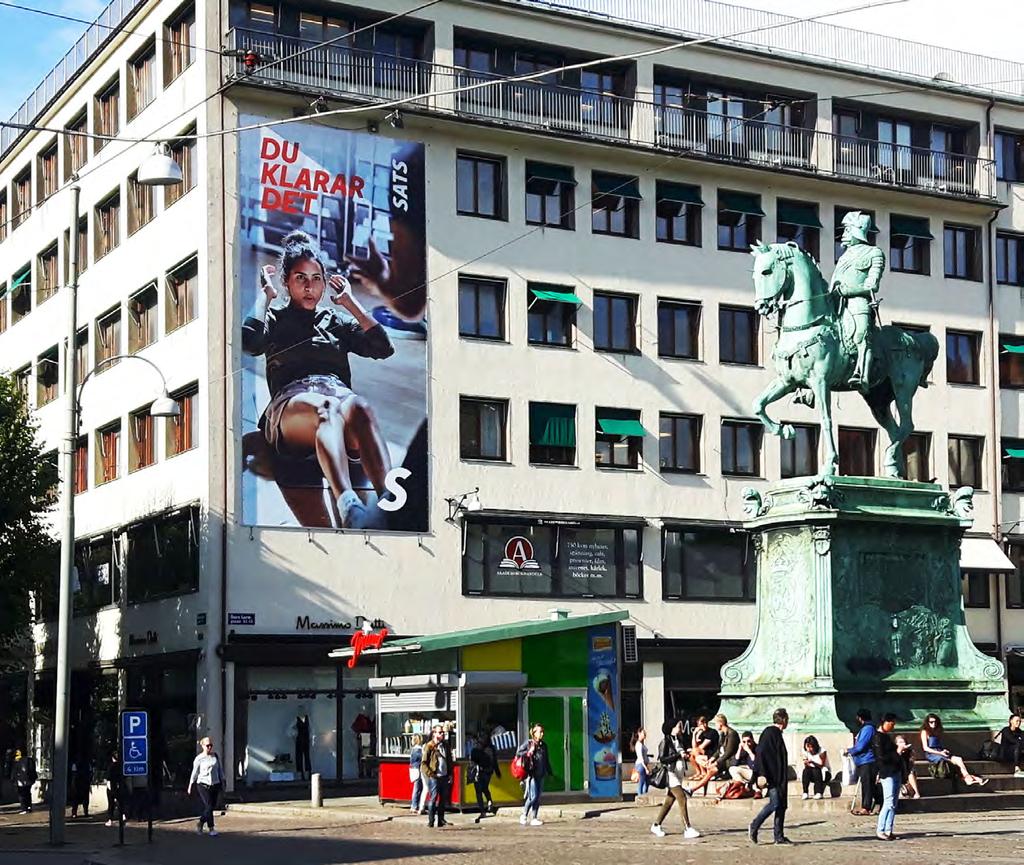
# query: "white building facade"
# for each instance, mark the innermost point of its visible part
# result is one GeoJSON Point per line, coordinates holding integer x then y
{"type": "Point", "coordinates": [573, 350]}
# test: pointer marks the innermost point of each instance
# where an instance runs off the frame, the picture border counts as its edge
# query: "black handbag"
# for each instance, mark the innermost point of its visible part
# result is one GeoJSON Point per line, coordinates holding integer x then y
{"type": "Point", "coordinates": [657, 775]}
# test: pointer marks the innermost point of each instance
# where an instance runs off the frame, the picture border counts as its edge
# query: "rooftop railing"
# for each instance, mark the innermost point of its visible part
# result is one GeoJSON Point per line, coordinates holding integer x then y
{"type": "Point", "coordinates": [373, 77]}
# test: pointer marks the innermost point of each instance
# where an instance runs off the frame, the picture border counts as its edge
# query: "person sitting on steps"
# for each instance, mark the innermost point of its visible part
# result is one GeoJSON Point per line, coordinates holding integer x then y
{"type": "Point", "coordinates": [935, 752]}
{"type": "Point", "coordinates": [816, 769]}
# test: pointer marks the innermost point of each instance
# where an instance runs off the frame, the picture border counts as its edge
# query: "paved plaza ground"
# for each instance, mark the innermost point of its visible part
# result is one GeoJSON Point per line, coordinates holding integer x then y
{"type": "Point", "coordinates": [619, 835]}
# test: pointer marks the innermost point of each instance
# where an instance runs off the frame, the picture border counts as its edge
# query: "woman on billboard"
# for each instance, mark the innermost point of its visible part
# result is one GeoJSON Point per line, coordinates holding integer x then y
{"type": "Point", "coordinates": [313, 409]}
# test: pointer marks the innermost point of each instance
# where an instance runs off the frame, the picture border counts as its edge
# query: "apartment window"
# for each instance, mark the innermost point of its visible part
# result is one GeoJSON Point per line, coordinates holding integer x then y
{"type": "Point", "coordinates": [141, 440]}
{"type": "Point", "coordinates": [80, 481]}
{"type": "Point", "coordinates": [917, 455]}
{"type": "Point", "coordinates": [482, 429]}
{"type": "Point", "coordinates": [799, 455]}
{"type": "Point", "coordinates": [856, 452]}
{"type": "Point", "coordinates": [180, 294]}
{"type": "Point", "coordinates": [3, 306]}
{"type": "Point", "coordinates": [108, 338]}
{"type": "Point", "coordinates": [551, 314]}
{"type": "Point", "coordinates": [46, 179]}
{"type": "Point", "coordinates": [614, 322]}
{"type": "Point", "coordinates": [141, 80]}
{"type": "Point", "coordinates": [181, 429]}
{"type": "Point", "coordinates": [106, 113]}
{"type": "Point", "coordinates": [3, 215]}
{"type": "Point", "coordinates": [22, 196]}
{"type": "Point", "coordinates": [550, 195]}
{"type": "Point", "coordinates": [481, 308]}
{"type": "Point", "coordinates": [21, 293]}
{"type": "Point", "coordinates": [679, 329]}
{"type": "Point", "coordinates": [1015, 581]}
{"type": "Point", "coordinates": [98, 577]}
{"type": "Point", "coordinates": [737, 335]}
{"type": "Point", "coordinates": [1009, 156]}
{"type": "Point", "coordinates": [82, 354]}
{"type": "Point", "coordinates": [739, 220]}
{"type": "Point", "coordinates": [142, 315]}
{"type": "Point", "coordinates": [141, 208]}
{"type": "Point", "coordinates": [741, 448]}
{"type": "Point", "coordinates": [910, 242]}
{"type": "Point", "coordinates": [46, 273]}
{"type": "Point", "coordinates": [1011, 361]}
{"type": "Point", "coordinates": [261, 17]}
{"type": "Point", "coordinates": [108, 229]}
{"type": "Point", "coordinates": [1009, 258]}
{"type": "Point", "coordinates": [163, 556]}
{"type": "Point", "coordinates": [615, 204]}
{"type": "Point", "coordinates": [962, 252]}
{"type": "Point", "coordinates": [962, 350]}
{"type": "Point", "coordinates": [1013, 465]}
{"type": "Point", "coordinates": [76, 145]}
{"type": "Point", "coordinates": [619, 438]}
{"type": "Point", "coordinates": [179, 43]}
{"type": "Point", "coordinates": [965, 461]}
{"type": "Point", "coordinates": [47, 377]}
{"type": "Point", "coordinates": [522, 559]}
{"type": "Point", "coordinates": [480, 186]}
{"type": "Point", "coordinates": [22, 377]}
{"type": "Point", "coordinates": [678, 210]}
{"type": "Point", "coordinates": [976, 590]}
{"type": "Point", "coordinates": [679, 443]}
{"type": "Point", "coordinates": [108, 447]}
{"type": "Point", "coordinates": [839, 213]}
{"type": "Point", "coordinates": [183, 151]}
{"type": "Point", "coordinates": [83, 248]}
{"type": "Point", "coordinates": [798, 222]}
{"type": "Point", "coordinates": [552, 434]}
{"type": "Point", "coordinates": [707, 564]}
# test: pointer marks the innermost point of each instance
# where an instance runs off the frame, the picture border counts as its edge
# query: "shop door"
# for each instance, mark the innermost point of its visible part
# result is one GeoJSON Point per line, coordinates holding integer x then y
{"type": "Point", "coordinates": [563, 717]}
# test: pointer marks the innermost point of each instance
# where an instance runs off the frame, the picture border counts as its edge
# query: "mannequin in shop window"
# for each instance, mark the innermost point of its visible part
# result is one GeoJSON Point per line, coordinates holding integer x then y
{"type": "Point", "coordinates": [362, 726]}
{"type": "Point", "coordinates": [300, 732]}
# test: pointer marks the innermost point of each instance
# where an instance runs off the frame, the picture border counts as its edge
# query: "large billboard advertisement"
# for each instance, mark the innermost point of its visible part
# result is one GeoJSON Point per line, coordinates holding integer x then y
{"type": "Point", "coordinates": [332, 275]}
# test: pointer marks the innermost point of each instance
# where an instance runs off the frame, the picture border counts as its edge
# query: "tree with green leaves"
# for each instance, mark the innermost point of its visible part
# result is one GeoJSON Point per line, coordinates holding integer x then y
{"type": "Point", "coordinates": [27, 491]}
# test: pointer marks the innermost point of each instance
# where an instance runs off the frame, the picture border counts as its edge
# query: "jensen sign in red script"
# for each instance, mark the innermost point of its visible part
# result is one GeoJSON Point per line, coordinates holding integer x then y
{"type": "Point", "coordinates": [362, 641]}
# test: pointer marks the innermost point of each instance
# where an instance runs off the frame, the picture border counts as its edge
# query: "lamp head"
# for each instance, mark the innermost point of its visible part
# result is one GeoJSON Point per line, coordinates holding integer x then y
{"type": "Point", "coordinates": [159, 169]}
{"type": "Point", "coordinates": [164, 406]}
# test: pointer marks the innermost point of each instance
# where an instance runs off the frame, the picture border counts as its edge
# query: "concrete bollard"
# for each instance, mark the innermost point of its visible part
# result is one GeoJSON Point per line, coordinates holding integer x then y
{"type": "Point", "coordinates": [316, 791]}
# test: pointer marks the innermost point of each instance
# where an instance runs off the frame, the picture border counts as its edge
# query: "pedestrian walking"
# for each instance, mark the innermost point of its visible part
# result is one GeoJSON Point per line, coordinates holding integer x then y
{"type": "Point", "coordinates": [437, 768]}
{"type": "Point", "coordinates": [889, 761]}
{"type": "Point", "coordinates": [24, 774]}
{"type": "Point", "coordinates": [772, 764]}
{"type": "Point", "coordinates": [115, 788]}
{"type": "Point", "coordinates": [416, 773]}
{"type": "Point", "coordinates": [207, 778]}
{"type": "Point", "coordinates": [79, 787]}
{"type": "Point", "coordinates": [864, 762]}
{"type": "Point", "coordinates": [483, 767]}
{"type": "Point", "coordinates": [643, 758]}
{"type": "Point", "coordinates": [672, 759]}
{"type": "Point", "coordinates": [534, 754]}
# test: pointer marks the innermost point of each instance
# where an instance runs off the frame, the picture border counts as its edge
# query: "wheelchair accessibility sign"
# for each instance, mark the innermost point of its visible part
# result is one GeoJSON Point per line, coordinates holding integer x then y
{"type": "Point", "coordinates": [134, 742]}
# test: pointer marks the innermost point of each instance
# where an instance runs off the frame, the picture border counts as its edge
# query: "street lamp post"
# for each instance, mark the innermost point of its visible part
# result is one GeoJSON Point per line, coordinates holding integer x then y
{"type": "Point", "coordinates": [158, 170]}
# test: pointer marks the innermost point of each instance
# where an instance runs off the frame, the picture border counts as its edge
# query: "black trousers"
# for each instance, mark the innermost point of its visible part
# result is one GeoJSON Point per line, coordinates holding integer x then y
{"type": "Point", "coordinates": [867, 778]}
{"type": "Point", "coordinates": [483, 792]}
{"type": "Point", "coordinates": [818, 777]}
{"type": "Point", "coordinates": [111, 805]}
{"type": "Point", "coordinates": [207, 796]}
{"type": "Point", "coordinates": [302, 755]}
{"type": "Point", "coordinates": [25, 797]}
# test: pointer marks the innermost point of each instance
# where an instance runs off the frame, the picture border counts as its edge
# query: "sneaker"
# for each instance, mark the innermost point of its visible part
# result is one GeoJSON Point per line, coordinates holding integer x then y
{"type": "Point", "coordinates": [536, 822]}
{"type": "Point", "coordinates": [657, 830]}
{"type": "Point", "coordinates": [522, 820]}
{"type": "Point", "coordinates": [1018, 773]}
{"type": "Point", "coordinates": [805, 796]}
{"type": "Point", "coordinates": [881, 836]}
{"type": "Point", "coordinates": [752, 833]}
{"type": "Point", "coordinates": [214, 833]}
{"type": "Point", "coordinates": [783, 840]}
{"type": "Point", "coordinates": [691, 833]}
{"type": "Point", "coordinates": [818, 796]}
{"type": "Point", "coordinates": [199, 830]}
{"type": "Point", "coordinates": [109, 823]}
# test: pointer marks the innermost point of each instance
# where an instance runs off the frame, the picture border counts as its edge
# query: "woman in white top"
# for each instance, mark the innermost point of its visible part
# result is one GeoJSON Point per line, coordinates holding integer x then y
{"type": "Point", "coordinates": [672, 755]}
{"type": "Point", "coordinates": [816, 768]}
{"type": "Point", "coordinates": [207, 777]}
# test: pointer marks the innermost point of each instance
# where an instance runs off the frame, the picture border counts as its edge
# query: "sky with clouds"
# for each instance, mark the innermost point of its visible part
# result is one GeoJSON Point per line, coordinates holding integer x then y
{"type": "Point", "coordinates": [30, 44]}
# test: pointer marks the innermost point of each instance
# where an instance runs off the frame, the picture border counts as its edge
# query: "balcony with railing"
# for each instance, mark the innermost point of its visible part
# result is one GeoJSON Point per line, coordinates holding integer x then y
{"type": "Point", "coordinates": [366, 76]}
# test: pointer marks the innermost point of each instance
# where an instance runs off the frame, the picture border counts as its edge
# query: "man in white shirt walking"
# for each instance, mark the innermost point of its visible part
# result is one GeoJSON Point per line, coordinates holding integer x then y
{"type": "Point", "coordinates": [207, 777]}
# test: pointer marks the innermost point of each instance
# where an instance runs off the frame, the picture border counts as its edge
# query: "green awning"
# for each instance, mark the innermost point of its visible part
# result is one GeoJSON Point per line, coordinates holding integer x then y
{"type": "Point", "coordinates": [1015, 453]}
{"type": "Point", "coordinates": [616, 184]}
{"type": "Point", "coordinates": [1013, 349]}
{"type": "Point", "coordinates": [546, 171]}
{"type": "Point", "coordinates": [740, 202]}
{"type": "Point", "coordinates": [681, 193]}
{"type": "Point", "coordinates": [909, 226]}
{"type": "Point", "coordinates": [556, 296]}
{"type": "Point", "coordinates": [799, 213]}
{"type": "Point", "coordinates": [552, 425]}
{"type": "Point", "coordinates": [614, 426]}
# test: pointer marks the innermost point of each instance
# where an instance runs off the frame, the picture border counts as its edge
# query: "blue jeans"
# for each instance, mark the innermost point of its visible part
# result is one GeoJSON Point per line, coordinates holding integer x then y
{"type": "Point", "coordinates": [417, 793]}
{"type": "Point", "coordinates": [438, 791]}
{"type": "Point", "coordinates": [887, 816]}
{"type": "Point", "coordinates": [532, 788]}
{"type": "Point", "coordinates": [643, 783]}
{"type": "Point", "coordinates": [778, 801]}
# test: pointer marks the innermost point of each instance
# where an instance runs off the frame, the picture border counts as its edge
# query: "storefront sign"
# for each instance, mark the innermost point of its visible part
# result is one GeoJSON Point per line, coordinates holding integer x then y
{"type": "Point", "coordinates": [305, 623]}
{"type": "Point", "coordinates": [519, 555]}
{"type": "Point", "coordinates": [587, 561]}
{"type": "Point", "coordinates": [241, 618]}
{"type": "Point", "coordinates": [146, 639]}
{"type": "Point", "coordinates": [362, 640]}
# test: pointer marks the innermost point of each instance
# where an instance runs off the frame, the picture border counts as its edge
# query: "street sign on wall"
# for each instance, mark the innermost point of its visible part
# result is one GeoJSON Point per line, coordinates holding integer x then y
{"type": "Point", "coordinates": [134, 742]}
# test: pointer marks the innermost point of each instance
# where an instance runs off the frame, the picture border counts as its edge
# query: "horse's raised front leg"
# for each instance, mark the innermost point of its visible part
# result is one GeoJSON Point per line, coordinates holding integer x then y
{"type": "Point", "coordinates": [778, 388]}
{"type": "Point", "coordinates": [823, 397]}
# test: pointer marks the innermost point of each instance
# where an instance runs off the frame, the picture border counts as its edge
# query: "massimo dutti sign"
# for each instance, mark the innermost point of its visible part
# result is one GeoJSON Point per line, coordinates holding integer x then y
{"type": "Point", "coordinates": [306, 623]}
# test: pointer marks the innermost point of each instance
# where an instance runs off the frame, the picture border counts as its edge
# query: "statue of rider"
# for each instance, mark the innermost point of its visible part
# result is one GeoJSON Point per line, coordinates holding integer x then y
{"type": "Point", "coordinates": [856, 278]}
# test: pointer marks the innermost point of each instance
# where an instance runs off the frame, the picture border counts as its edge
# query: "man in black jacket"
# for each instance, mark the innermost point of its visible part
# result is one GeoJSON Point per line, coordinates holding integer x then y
{"type": "Point", "coordinates": [772, 764]}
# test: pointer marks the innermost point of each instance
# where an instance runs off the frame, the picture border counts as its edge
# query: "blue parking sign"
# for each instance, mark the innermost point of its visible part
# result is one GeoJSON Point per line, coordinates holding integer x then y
{"type": "Point", "coordinates": [134, 743]}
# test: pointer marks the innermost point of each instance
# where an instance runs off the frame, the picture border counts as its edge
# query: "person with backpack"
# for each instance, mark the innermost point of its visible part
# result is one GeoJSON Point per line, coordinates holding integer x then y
{"type": "Point", "coordinates": [437, 765]}
{"type": "Point", "coordinates": [533, 757]}
{"type": "Point", "coordinates": [484, 765]}
{"type": "Point", "coordinates": [668, 775]}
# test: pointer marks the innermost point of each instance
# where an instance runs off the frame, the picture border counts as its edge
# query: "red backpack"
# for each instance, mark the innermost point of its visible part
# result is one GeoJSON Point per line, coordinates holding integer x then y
{"type": "Point", "coordinates": [520, 767]}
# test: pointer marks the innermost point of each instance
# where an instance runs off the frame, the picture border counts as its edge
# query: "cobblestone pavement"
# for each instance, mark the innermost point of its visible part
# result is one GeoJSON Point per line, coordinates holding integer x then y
{"type": "Point", "coordinates": [619, 836]}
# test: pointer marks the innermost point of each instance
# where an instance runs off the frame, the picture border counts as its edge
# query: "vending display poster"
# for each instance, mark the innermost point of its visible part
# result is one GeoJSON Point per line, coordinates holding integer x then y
{"type": "Point", "coordinates": [603, 714]}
